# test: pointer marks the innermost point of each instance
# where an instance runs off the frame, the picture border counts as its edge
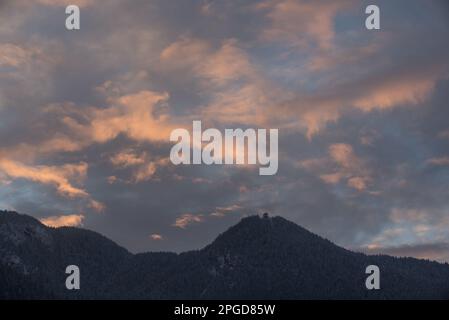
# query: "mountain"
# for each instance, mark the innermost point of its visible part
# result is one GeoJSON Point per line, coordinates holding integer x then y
{"type": "Point", "coordinates": [259, 258]}
{"type": "Point", "coordinates": [33, 259]}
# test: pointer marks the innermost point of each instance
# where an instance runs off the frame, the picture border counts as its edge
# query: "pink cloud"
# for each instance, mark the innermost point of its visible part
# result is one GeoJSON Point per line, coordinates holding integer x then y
{"type": "Point", "coordinates": [73, 220]}
{"type": "Point", "coordinates": [187, 219]}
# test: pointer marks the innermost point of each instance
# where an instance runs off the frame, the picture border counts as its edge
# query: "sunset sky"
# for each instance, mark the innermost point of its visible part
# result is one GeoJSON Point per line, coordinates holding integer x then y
{"type": "Point", "coordinates": [363, 118]}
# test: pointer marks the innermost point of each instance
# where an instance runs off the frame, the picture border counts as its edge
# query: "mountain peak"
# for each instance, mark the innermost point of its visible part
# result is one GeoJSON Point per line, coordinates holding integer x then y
{"type": "Point", "coordinates": [18, 228]}
{"type": "Point", "coordinates": [7, 216]}
{"type": "Point", "coordinates": [265, 234]}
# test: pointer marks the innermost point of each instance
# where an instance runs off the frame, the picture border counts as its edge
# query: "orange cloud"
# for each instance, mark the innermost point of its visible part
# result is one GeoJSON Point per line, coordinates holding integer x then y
{"type": "Point", "coordinates": [391, 92]}
{"type": "Point", "coordinates": [186, 219]}
{"type": "Point", "coordinates": [145, 172]}
{"type": "Point", "coordinates": [246, 105]}
{"type": "Point", "coordinates": [351, 167]}
{"type": "Point", "coordinates": [112, 179]}
{"type": "Point", "coordinates": [332, 178]}
{"type": "Point", "coordinates": [144, 167]}
{"type": "Point", "coordinates": [61, 178]}
{"type": "Point", "coordinates": [344, 163]}
{"type": "Point", "coordinates": [218, 70]}
{"type": "Point", "coordinates": [229, 63]}
{"type": "Point", "coordinates": [73, 220]}
{"type": "Point", "coordinates": [132, 115]}
{"type": "Point", "coordinates": [218, 67]}
{"type": "Point", "coordinates": [402, 88]}
{"type": "Point", "coordinates": [56, 176]}
{"type": "Point", "coordinates": [358, 183]}
{"type": "Point", "coordinates": [12, 55]}
{"type": "Point", "coordinates": [127, 158]}
{"type": "Point", "coordinates": [222, 211]}
{"type": "Point", "coordinates": [141, 116]}
{"type": "Point", "coordinates": [302, 23]}
{"type": "Point", "coordinates": [96, 205]}
{"type": "Point", "coordinates": [185, 53]}
{"type": "Point", "coordinates": [343, 154]}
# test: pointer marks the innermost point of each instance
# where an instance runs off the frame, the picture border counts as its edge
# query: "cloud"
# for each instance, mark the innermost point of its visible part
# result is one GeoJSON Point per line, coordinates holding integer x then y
{"type": "Point", "coordinates": [127, 158]}
{"type": "Point", "coordinates": [411, 89]}
{"type": "Point", "coordinates": [222, 211]}
{"type": "Point", "coordinates": [343, 154]}
{"type": "Point", "coordinates": [357, 183]}
{"type": "Point", "coordinates": [327, 60]}
{"type": "Point", "coordinates": [112, 179]}
{"type": "Point", "coordinates": [438, 251]}
{"type": "Point", "coordinates": [132, 115]}
{"type": "Point", "coordinates": [217, 67]}
{"type": "Point", "coordinates": [376, 92]}
{"type": "Point", "coordinates": [156, 237]}
{"type": "Point", "coordinates": [13, 56]}
{"type": "Point", "coordinates": [244, 105]}
{"type": "Point", "coordinates": [143, 166]}
{"type": "Point", "coordinates": [417, 232]}
{"type": "Point", "coordinates": [368, 138]}
{"type": "Point", "coordinates": [26, 68]}
{"type": "Point", "coordinates": [229, 63]}
{"type": "Point", "coordinates": [64, 3]}
{"type": "Point", "coordinates": [344, 163]}
{"type": "Point", "coordinates": [187, 219]}
{"type": "Point", "coordinates": [49, 175]}
{"type": "Point", "coordinates": [96, 205]}
{"type": "Point", "coordinates": [145, 172]}
{"type": "Point", "coordinates": [218, 71]}
{"type": "Point", "coordinates": [73, 220]}
{"type": "Point", "coordinates": [314, 19]}
{"type": "Point", "coordinates": [441, 161]}
{"type": "Point", "coordinates": [60, 177]}
{"type": "Point", "coordinates": [332, 178]}
{"type": "Point", "coordinates": [186, 54]}
{"type": "Point", "coordinates": [399, 215]}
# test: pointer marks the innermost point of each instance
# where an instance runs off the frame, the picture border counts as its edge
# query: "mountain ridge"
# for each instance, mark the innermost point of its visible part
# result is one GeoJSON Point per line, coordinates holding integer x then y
{"type": "Point", "coordinates": [258, 258]}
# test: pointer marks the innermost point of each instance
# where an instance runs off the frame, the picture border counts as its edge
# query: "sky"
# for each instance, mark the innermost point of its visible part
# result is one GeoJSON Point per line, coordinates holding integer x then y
{"type": "Point", "coordinates": [363, 118]}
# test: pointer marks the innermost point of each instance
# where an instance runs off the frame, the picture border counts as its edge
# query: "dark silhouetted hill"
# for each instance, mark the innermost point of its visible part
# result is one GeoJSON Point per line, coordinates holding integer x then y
{"type": "Point", "coordinates": [259, 258]}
